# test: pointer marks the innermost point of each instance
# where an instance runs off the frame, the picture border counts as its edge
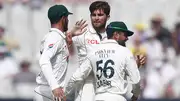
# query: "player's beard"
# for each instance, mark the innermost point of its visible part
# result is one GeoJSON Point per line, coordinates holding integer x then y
{"type": "Point", "coordinates": [122, 43]}
{"type": "Point", "coordinates": [99, 27]}
{"type": "Point", "coordinates": [65, 25]}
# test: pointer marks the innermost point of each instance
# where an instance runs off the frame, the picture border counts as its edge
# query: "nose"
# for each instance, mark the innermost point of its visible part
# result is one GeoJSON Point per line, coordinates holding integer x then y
{"type": "Point", "coordinates": [96, 17]}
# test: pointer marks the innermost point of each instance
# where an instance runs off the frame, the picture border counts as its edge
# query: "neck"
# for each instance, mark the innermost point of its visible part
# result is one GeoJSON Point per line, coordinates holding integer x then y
{"type": "Point", "coordinates": [57, 27]}
{"type": "Point", "coordinates": [100, 30]}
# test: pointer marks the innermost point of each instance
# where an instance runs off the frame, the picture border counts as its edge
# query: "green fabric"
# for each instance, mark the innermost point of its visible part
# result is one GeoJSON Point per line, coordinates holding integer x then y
{"type": "Point", "coordinates": [56, 12]}
{"type": "Point", "coordinates": [119, 26]}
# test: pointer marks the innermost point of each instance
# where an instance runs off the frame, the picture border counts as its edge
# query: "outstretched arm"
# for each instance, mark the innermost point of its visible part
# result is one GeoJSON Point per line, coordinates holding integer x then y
{"type": "Point", "coordinates": [132, 69]}
{"type": "Point", "coordinates": [81, 73]}
{"type": "Point", "coordinates": [140, 60]}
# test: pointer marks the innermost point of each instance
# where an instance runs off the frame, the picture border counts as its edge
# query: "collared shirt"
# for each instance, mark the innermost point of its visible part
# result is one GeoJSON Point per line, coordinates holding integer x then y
{"type": "Point", "coordinates": [86, 41]}
{"type": "Point", "coordinates": [54, 47]}
{"type": "Point", "coordinates": [113, 65]}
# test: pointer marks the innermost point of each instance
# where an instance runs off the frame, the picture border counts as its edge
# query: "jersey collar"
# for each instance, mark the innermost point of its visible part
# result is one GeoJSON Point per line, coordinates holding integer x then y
{"type": "Point", "coordinates": [109, 41]}
{"type": "Point", "coordinates": [93, 31]}
{"type": "Point", "coordinates": [58, 31]}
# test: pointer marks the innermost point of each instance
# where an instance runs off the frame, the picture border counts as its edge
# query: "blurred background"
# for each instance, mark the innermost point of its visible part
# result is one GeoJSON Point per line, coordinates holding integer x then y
{"type": "Point", "coordinates": [156, 24]}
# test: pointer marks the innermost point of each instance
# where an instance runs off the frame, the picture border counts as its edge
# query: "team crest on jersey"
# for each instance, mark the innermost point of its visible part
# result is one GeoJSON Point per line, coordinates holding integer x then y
{"type": "Point", "coordinates": [50, 45]}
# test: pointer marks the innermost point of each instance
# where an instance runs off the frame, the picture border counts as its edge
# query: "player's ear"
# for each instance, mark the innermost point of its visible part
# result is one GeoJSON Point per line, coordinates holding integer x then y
{"type": "Point", "coordinates": [62, 20]}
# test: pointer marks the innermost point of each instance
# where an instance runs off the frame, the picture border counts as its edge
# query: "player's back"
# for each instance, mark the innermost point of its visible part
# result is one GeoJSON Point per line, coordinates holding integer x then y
{"type": "Point", "coordinates": [109, 61]}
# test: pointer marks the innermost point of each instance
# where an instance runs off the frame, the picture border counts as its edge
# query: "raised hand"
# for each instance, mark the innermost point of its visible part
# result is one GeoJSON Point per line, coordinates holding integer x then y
{"type": "Point", "coordinates": [140, 60]}
{"type": "Point", "coordinates": [79, 28]}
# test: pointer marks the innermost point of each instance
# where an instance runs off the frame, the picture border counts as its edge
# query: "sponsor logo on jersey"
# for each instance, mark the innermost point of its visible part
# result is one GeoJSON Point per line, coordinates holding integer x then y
{"type": "Point", "coordinates": [50, 45]}
{"type": "Point", "coordinates": [92, 41]}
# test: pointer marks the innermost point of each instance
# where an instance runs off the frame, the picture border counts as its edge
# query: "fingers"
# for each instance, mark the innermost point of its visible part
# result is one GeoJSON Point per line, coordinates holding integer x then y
{"type": "Point", "coordinates": [59, 98]}
{"type": "Point", "coordinates": [56, 98]}
{"type": "Point", "coordinates": [62, 98]}
{"type": "Point", "coordinates": [82, 23]}
{"type": "Point", "coordinates": [79, 22]}
{"type": "Point", "coordinates": [141, 59]}
{"type": "Point", "coordinates": [58, 94]}
{"type": "Point", "coordinates": [79, 28]}
{"type": "Point", "coordinates": [61, 93]}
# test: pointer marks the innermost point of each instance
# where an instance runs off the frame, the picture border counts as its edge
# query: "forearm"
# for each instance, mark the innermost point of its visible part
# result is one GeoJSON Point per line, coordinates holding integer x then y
{"type": "Point", "coordinates": [69, 41]}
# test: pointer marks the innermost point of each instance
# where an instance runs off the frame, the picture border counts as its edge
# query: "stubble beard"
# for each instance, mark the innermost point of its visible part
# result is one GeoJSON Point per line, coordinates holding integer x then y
{"type": "Point", "coordinates": [65, 26]}
{"type": "Point", "coordinates": [122, 43]}
{"type": "Point", "coordinates": [99, 28]}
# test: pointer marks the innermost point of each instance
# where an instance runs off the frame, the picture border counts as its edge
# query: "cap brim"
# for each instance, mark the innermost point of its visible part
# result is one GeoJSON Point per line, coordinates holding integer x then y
{"type": "Point", "coordinates": [69, 13]}
{"type": "Point", "coordinates": [129, 33]}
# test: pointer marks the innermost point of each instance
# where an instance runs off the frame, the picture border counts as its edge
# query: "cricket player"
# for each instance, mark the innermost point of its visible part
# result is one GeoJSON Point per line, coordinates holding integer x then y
{"type": "Point", "coordinates": [84, 43]}
{"type": "Point", "coordinates": [113, 65]}
{"type": "Point", "coordinates": [100, 13]}
{"type": "Point", "coordinates": [54, 55]}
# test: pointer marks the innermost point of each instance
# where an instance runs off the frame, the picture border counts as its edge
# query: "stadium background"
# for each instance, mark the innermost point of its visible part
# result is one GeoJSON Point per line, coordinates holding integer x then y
{"type": "Point", "coordinates": [23, 23]}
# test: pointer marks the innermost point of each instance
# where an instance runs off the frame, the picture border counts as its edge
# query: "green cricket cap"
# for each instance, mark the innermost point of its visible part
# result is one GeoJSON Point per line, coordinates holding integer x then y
{"type": "Point", "coordinates": [119, 26]}
{"type": "Point", "coordinates": [56, 12]}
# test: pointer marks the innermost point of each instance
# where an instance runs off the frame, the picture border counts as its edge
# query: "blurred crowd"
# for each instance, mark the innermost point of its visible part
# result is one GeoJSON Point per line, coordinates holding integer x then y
{"type": "Point", "coordinates": [21, 29]}
{"type": "Point", "coordinates": [161, 47]}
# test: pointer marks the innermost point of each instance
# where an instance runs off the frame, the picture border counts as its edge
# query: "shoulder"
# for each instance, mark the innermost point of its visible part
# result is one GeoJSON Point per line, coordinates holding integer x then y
{"type": "Point", "coordinates": [53, 37]}
{"type": "Point", "coordinates": [126, 51]}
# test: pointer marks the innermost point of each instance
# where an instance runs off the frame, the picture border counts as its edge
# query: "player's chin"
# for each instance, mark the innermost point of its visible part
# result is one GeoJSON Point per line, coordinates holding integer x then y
{"type": "Point", "coordinates": [97, 25]}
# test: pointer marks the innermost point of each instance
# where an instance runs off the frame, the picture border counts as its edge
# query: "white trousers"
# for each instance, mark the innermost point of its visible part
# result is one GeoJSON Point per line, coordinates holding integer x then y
{"type": "Point", "coordinates": [43, 93]}
{"type": "Point", "coordinates": [109, 97]}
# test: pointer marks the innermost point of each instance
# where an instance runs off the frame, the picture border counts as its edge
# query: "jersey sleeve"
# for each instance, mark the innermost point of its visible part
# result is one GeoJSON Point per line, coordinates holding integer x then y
{"type": "Point", "coordinates": [51, 46]}
{"type": "Point", "coordinates": [133, 75]}
{"type": "Point", "coordinates": [79, 40]}
{"type": "Point", "coordinates": [80, 74]}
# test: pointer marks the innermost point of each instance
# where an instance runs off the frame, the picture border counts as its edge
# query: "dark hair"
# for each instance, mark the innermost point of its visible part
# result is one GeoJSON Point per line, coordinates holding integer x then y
{"type": "Point", "coordinates": [100, 5]}
{"type": "Point", "coordinates": [56, 20]}
{"type": "Point", "coordinates": [109, 32]}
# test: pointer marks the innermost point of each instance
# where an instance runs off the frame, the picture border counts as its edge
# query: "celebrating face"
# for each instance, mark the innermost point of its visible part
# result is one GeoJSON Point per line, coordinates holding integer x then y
{"type": "Point", "coordinates": [122, 38]}
{"type": "Point", "coordinates": [98, 19]}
